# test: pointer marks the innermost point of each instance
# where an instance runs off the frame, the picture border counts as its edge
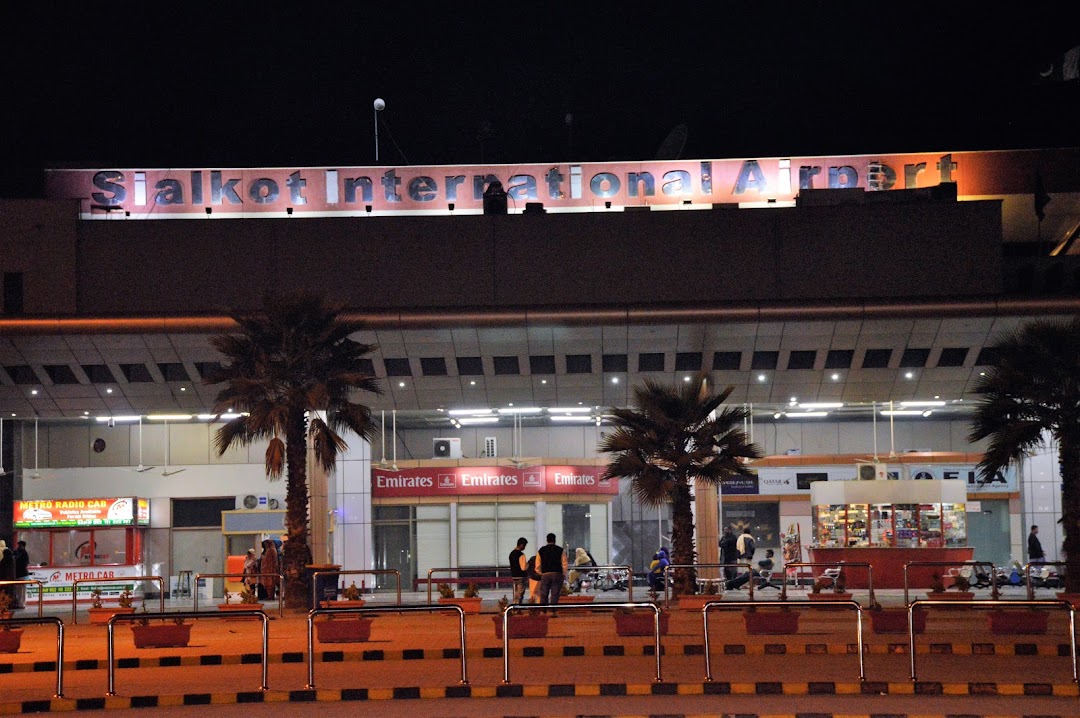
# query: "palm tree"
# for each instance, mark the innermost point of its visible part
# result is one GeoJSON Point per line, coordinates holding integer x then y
{"type": "Point", "coordinates": [292, 359]}
{"type": "Point", "coordinates": [671, 438]}
{"type": "Point", "coordinates": [1033, 389]}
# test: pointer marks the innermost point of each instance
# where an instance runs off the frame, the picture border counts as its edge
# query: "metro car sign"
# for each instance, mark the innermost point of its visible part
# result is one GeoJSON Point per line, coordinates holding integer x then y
{"type": "Point", "coordinates": [491, 480]}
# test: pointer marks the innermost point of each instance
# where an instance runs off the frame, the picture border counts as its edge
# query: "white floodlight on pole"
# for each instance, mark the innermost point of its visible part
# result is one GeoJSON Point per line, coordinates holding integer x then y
{"type": "Point", "coordinates": [379, 105]}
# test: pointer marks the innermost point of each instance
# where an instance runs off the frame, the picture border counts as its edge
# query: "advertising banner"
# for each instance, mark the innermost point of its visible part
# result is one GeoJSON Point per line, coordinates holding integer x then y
{"type": "Point", "coordinates": [81, 513]}
{"type": "Point", "coordinates": [57, 582]}
{"type": "Point", "coordinates": [147, 193]}
{"type": "Point", "coordinates": [797, 480]}
{"type": "Point", "coordinates": [490, 480]}
{"type": "Point", "coordinates": [1002, 482]}
{"type": "Point", "coordinates": [740, 485]}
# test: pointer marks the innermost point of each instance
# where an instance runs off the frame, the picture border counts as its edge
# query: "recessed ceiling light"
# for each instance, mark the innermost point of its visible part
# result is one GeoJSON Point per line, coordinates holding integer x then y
{"type": "Point", "coordinates": [109, 390]}
{"type": "Point", "coordinates": [183, 388]}
{"type": "Point", "coordinates": [33, 392]}
{"type": "Point", "coordinates": [793, 400]}
{"type": "Point", "coordinates": [982, 373]}
{"type": "Point", "coordinates": [543, 381]}
{"type": "Point", "coordinates": [472, 383]}
{"type": "Point", "coordinates": [614, 380]}
{"type": "Point", "coordinates": [821, 405]}
{"type": "Point", "coordinates": [836, 377]}
{"type": "Point", "coordinates": [909, 375]}
{"type": "Point", "coordinates": [86, 413]}
{"type": "Point", "coordinates": [761, 377]}
{"type": "Point", "coordinates": [401, 383]}
{"type": "Point", "coordinates": [686, 378]}
{"type": "Point", "coordinates": [468, 412]}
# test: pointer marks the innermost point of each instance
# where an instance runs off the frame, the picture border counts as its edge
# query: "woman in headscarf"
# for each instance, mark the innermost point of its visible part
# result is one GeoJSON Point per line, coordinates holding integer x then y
{"type": "Point", "coordinates": [251, 567]}
{"type": "Point", "coordinates": [268, 563]}
{"type": "Point", "coordinates": [581, 558]}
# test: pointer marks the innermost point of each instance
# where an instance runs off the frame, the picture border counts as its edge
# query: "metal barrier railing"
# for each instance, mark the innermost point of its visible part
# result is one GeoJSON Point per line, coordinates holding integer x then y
{"type": "Point", "coordinates": [28, 582]}
{"type": "Point", "coordinates": [496, 570]}
{"type": "Point", "coordinates": [741, 605]}
{"type": "Point", "coordinates": [984, 603]}
{"type": "Point", "coordinates": [579, 607]}
{"type": "Point", "coordinates": [952, 564]}
{"type": "Point", "coordinates": [583, 569]}
{"type": "Point", "coordinates": [1027, 574]}
{"type": "Point", "coordinates": [671, 567]}
{"type": "Point", "coordinates": [119, 579]}
{"type": "Point", "coordinates": [378, 572]}
{"type": "Point", "coordinates": [381, 609]}
{"type": "Point", "coordinates": [15, 622]}
{"type": "Point", "coordinates": [281, 584]}
{"type": "Point", "coordinates": [830, 564]}
{"type": "Point", "coordinates": [132, 618]}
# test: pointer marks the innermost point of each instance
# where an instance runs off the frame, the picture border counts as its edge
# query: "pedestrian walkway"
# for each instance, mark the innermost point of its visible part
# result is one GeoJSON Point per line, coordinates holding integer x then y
{"type": "Point", "coordinates": [416, 656]}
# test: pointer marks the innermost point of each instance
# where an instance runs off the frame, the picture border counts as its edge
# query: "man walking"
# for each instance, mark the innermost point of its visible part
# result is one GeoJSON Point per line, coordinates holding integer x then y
{"type": "Point", "coordinates": [1035, 549]}
{"type": "Point", "coordinates": [518, 563]}
{"type": "Point", "coordinates": [22, 572]}
{"type": "Point", "coordinates": [553, 566]}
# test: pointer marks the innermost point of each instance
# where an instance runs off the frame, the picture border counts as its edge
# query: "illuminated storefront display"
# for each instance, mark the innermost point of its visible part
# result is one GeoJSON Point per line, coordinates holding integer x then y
{"type": "Point", "coordinates": [67, 513]}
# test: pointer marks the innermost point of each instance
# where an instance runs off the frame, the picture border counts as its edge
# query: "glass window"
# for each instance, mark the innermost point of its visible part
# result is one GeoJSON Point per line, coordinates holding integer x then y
{"type": "Point", "coordinates": [930, 534]}
{"type": "Point", "coordinates": [857, 529]}
{"type": "Point", "coordinates": [37, 546]}
{"type": "Point", "coordinates": [110, 546]}
{"type": "Point", "coordinates": [72, 548]}
{"type": "Point", "coordinates": [954, 524]}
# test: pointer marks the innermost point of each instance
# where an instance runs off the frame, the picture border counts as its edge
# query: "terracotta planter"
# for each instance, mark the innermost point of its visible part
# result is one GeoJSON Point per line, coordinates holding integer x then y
{"type": "Point", "coordinates": [468, 605]}
{"type": "Point", "coordinates": [161, 635]}
{"type": "Point", "coordinates": [951, 596]}
{"type": "Point", "coordinates": [829, 596]}
{"type": "Point", "coordinates": [343, 630]}
{"type": "Point", "coordinates": [694, 602]}
{"type": "Point", "coordinates": [640, 623]}
{"type": "Point", "coordinates": [103, 614]}
{"type": "Point", "coordinates": [239, 607]}
{"type": "Point", "coordinates": [576, 598]}
{"type": "Point", "coordinates": [343, 603]}
{"type": "Point", "coordinates": [10, 640]}
{"type": "Point", "coordinates": [894, 620]}
{"type": "Point", "coordinates": [1018, 621]}
{"type": "Point", "coordinates": [771, 623]}
{"type": "Point", "coordinates": [523, 625]}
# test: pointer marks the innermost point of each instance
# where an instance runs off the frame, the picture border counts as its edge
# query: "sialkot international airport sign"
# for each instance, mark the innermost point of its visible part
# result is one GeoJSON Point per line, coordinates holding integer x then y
{"type": "Point", "coordinates": [328, 191]}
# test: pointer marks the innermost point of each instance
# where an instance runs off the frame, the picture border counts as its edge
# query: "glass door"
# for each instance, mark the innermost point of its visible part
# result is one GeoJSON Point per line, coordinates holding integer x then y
{"type": "Point", "coordinates": [394, 550]}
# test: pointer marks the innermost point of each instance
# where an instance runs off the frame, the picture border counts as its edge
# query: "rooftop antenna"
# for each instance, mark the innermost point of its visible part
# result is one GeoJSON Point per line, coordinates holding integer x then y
{"type": "Point", "coordinates": [379, 105]}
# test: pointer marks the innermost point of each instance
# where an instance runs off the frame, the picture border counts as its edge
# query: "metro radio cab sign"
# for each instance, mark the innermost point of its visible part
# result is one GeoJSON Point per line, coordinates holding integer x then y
{"type": "Point", "coordinates": [490, 480]}
{"type": "Point", "coordinates": [82, 513]}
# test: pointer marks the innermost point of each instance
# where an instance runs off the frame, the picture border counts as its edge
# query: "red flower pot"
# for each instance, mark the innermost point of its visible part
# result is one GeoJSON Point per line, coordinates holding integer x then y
{"type": "Point", "coordinates": [161, 635]}
{"type": "Point", "coordinates": [468, 605]}
{"type": "Point", "coordinates": [103, 614]}
{"type": "Point", "coordinates": [10, 641]}
{"type": "Point", "coordinates": [343, 630]}
{"type": "Point", "coordinates": [771, 623]}
{"type": "Point", "coordinates": [523, 626]}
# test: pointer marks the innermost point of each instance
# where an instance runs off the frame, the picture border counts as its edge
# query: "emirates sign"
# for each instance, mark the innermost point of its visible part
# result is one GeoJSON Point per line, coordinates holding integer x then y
{"type": "Point", "coordinates": [491, 480]}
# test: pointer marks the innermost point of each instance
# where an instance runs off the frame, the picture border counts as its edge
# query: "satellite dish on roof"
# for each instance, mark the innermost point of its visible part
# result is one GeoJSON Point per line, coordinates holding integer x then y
{"type": "Point", "coordinates": [672, 146]}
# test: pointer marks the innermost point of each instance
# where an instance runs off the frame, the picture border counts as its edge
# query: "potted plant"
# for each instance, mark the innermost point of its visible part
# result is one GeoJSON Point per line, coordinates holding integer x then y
{"type": "Point", "coordinates": [248, 602]}
{"type": "Point", "coordinates": [346, 629]}
{"type": "Point", "coordinates": [350, 598]}
{"type": "Point", "coordinates": [1018, 620]}
{"type": "Point", "coordinates": [100, 613]}
{"type": "Point", "coordinates": [771, 623]}
{"type": "Point", "coordinates": [530, 624]}
{"type": "Point", "coordinates": [566, 596]}
{"type": "Point", "coordinates": [895, 620]}
{"type": "Point", "coordinates": [168, 633]}
{"type": "Point", "coordinates": [695, 601]}
{"type": "Point", "coordinates": [469, 601]}
{"type": "Point", "coordinates": [10, 639]}
{"type": "Point", "coordinates": [638, 622]}
{"type": "Point", "coordinates": [959, 582]}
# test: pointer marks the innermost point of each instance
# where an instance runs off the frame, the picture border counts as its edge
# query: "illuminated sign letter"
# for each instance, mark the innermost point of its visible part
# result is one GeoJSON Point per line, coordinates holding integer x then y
{"type": "Point", "coordinates": [750, 177]}
{"type": "Point", "coordinates": [108, 181]}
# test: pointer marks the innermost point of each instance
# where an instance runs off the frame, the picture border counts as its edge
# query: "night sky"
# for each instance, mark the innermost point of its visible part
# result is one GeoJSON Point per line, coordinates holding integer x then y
{"type": "Point", "coordinates": [251, 84]}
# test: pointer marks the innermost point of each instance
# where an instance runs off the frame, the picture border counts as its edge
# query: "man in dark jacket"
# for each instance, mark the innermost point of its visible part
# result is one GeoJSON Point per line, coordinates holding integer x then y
{"type": "Point", "coordinates": [1035, 549]}
{"type": "Point", "coordinates": [553, 567]}
{"type": "Point", "coordinates": [729, 552]}
{"type": "Point", "coordinates": [22, 572]}
{"type": "Point", "coordinates": [518, 564]}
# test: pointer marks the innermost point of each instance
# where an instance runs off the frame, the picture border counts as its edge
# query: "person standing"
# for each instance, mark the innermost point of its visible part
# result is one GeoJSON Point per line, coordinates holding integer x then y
{"type": "Point", "coordinates": [745, 545]}
{"type": "Point", "coordinates": [7, 569]}
{"type": "Point", "coordinates": [553, 566]}
{"type": "Point", "coordinates": [268, 563]}
{"type": "Point", "coordinates": [251, 567]}
{"type": "Point", "coordinates": [1035, 549]}
{"type": "Point", "coordinates": [22, 572]}
{"type": "Point", "coordinates": [518, 573]}
{"type": "Point", "coordinates": [729, 553]}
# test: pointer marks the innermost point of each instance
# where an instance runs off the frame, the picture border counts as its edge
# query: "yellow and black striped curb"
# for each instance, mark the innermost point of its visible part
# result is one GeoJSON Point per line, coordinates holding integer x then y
{"type": "Point", "coordinates": [922, 688]}
{"type": "Point", "coordinates": [416, 654]}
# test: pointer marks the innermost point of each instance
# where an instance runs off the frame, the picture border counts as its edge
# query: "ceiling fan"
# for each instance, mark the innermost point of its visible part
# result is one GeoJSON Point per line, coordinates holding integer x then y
{"type": "Point", "coordinates": [165, 471]}
{"type": "Point", "coordinates": [36, 473]}
{"type": "Point", "coordinates": [140, 468]}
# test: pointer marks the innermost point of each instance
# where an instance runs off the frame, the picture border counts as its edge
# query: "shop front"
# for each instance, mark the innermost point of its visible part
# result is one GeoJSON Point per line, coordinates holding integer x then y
{"type": "Point", "coordinates": [472, 516]}
{"type": "Point", "coordinates": [82, 540]}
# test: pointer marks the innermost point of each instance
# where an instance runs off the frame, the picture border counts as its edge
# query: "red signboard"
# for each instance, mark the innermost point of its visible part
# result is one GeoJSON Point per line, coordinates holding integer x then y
{"type": "Point", "coordinates": [74, 513]}
{"type": "Point", "coordinates": [490, 481]}
{"type": "Point", "coordinates": [324, 191]}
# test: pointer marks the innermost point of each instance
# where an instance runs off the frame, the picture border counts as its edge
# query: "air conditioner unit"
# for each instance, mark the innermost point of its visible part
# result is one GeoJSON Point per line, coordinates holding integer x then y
{"type": "Point", "coordinates": [446, 449]}
{"type": "Point", "coordinates": [253, 501]}
{"type": "Point", "coordinates": [870, 471]}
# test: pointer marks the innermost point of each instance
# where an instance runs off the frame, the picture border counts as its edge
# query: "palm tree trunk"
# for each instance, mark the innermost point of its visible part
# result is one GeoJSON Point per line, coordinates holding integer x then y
{"type": "Point", "coordinates": [297, 552]}
{"type": "Point", "coordinates": [1069, 464]}
{"type": "Point", "coordinates": [682, 539]}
